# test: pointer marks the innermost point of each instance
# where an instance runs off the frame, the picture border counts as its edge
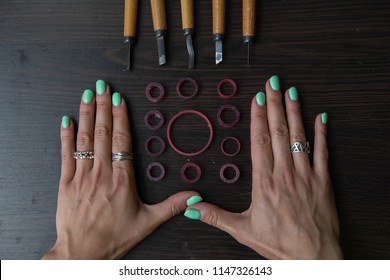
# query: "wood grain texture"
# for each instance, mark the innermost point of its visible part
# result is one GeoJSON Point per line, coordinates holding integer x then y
{"type": "Point", "coordinates": [130, 18]}
{"type": "Point", "coordinates": [219, 11]}
{"type": "Point", "coordinates": [334, 52]}
{"type": "Point", "coordinates": [187, 14]}
{"type": "Point", "coordinates": [158, 14]}
{"type": "Point", "coordinates": [248, 17]}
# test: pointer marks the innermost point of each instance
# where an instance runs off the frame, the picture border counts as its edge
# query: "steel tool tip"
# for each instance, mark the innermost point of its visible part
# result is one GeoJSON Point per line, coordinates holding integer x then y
{"type": "Point", "coordinates": [191, 52]}
{"type": "Point", "coordinates": [161, 50]}
{"type": "Point", "coordinates": [218, 52]}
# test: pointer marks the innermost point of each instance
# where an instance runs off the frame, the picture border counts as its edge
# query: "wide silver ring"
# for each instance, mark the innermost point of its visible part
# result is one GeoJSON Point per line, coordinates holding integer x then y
{"type": "Point", "coordinates": [83, 155]}
{"type": "Point", "coordinates": [299, 147]}
{"type": "Point", "coordinates": [122, 156]}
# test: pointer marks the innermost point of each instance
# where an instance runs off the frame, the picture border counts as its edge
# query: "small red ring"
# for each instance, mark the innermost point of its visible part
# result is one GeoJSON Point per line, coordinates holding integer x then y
{"type": "Point", "coordinates": [147, 146]}
{"type": "Point", "coordinates": [148, 92]}
{"type": "Point", "coordinates": [149, 116]}
{"type": "Point", "coordinates": [236, 111]}
{"type": "Point", "coordinates": [178, 88]}
{"type": "Point", "coordinates": [222, 173]}
{"type": "Point", "coordinates": [185, 177]}
{"type": "Point", "coordinates": [149, 169]}
{"type": "Point", "coordinates": [186, 112]}
{"type": "Point", "coordinates": [226, 96]}
{"type": "Point", "coordinates": [238, 146]}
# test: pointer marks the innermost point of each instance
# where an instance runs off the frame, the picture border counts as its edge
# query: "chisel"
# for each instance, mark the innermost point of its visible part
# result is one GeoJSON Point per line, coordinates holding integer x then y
{"type": "Point", "coordinates": [187, 19]}
{"type": "Point", "coordinates": [130, 25]}
{"type": "Point", "coordinates": [160, 27]}
{"type": "Point", "coordinates": [219, 7]}
{"type": "Point", "coordinates": [248, 24]}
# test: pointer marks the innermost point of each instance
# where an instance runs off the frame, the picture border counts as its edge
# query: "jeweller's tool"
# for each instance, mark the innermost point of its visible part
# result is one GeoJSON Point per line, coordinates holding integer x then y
{"type": "Point", "coordinates": [218, 27]}
{"type": "Point", "coordinates": [248, 24]}
{"type": "Point", "coordinates": [130, 25]}
{"type": "Point", "coordinates": [187, 17]}
{"type": "Point", "coordinates": [160, 27]}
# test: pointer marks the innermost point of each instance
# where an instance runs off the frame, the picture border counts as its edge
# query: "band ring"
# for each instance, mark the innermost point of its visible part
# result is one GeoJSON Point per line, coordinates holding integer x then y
{"type": "Point", "coordinates": [120, 156]}
{"type": "Point", "coordinates": [299, 147]}
{"type": "Point", "coordinates": [83, 155]}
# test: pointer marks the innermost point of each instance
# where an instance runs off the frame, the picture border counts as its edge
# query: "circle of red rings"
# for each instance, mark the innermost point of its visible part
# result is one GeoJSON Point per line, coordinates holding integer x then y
{"type": "Point", "coordinates": [149, 141]}
{"type": "Point", "coordinates": [193, 82]}
{"type": "Point", "coordinates": [226, 107]}
{"type": "Point", "coordinates": [185, 177]}
{"type": "Point", "coordinates": [149, 171]}
{"type": "Point", "coordinates": [227, 81]}
{"type": "Point", "coordinates": [223, 146]}
{"type": "Point", "coordinates": [188, 112]}
{"type": "Point", "coordinates": [148, 118]}
{"type": "Point", "coordinates": [222, 173]}
{"type": "Point", "coordinates": [148, 92]}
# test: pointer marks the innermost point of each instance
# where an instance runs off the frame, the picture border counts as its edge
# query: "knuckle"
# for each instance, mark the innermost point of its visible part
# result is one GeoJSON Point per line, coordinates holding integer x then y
{"type": "Point", "coordinates": [84, 113]}
{"type": "Point", "coordinates": [280, 129]}
{"type": "Point", "coordinates": [84, 139]}
{"type": "Point", "coordinates": [120, 139]}
{"type": "Point", "coordinates": [212, 218]}
{"type": "Point", "coordinates": [298, 137]}
{"type": "Point", "coordinates": [66, 138]}
{"type": "Point", "coordinates": [101, 131]}
{"type": "Point", "coordinates": [66, 156]}
{"type": "Point", "coordinates": [262, 140]}
{"type": "Point", "coordinates": [294, 110]}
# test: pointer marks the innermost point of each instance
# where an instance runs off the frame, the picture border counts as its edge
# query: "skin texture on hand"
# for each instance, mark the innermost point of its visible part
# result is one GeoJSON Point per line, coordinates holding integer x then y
{"type": "Point", "coordinates": [292, 214]}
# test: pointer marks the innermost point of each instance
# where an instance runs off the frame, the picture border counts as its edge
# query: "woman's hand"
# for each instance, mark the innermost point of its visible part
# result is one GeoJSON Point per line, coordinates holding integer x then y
{"type": "Point", "coordinates": [99, 214]}
{"type": "Point", "coordinates": [293, 213]}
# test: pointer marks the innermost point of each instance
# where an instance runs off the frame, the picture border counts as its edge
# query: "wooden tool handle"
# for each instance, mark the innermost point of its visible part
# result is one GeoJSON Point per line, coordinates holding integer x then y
{"type": "Point", "coordinates": [187, 14]}
{"type": "Point", "coordinates": [130, 22]}
{"type": "Point", "coordinates": [248, 17]}
{"type": "Point", "coordinates": [158, 14]}
{"type": "Point", "coordinates": [219, 8]}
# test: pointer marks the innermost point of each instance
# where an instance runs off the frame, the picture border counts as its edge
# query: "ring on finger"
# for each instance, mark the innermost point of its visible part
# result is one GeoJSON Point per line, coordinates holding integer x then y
{"type": "Point", "coordinates": [83, 155]}
{"type": "Point", "coordinates": [299, 147]}
{"type": "Point", "coordinates": [120, 156]}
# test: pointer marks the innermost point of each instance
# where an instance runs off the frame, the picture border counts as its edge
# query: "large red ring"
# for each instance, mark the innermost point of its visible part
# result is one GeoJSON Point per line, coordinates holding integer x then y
{"type": "Point", "coordinates": [222, 173]}
{"type": "Point", "coordinates": [187, 112]}
{"type": "Point", "coordinates": [226, 107]}
{"type": "Point", "coordinates": [223, 95]}
{"type": "Point", "coordinates": [185, 177]}
{"type": "Point", "coordinates": [148, 92]}
{"type": "Point", "coordinates": [149, 116]}
{"type": "Point", "coordinates": [149, 171]}
{"type": "Point", "coordinates": [178, 88]}
{"type": "Point", "coordinates": [223, 146]}
{"type": "Point", "coordinates": [149, 141]}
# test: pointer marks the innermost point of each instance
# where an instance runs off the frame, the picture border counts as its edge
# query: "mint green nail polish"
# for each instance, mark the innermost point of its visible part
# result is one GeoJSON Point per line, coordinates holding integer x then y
{"type": "Point", "coordinates": [65, 122]}
{"type": "Point", "coordinates": [192, 214]}
{"type": "Point", "coordinates": [324, 118]}
{"type": "Point", "coordinates": [293, 93]}
{"type": "Point", "coordinates": [116, 99]}
{"type": "Point", "coordinates": [87, 96]}
{"type": "Point", "coordinates": [274, 81]}
{"type": "Point", "coordinates": [260, 98]}
{"type": "Point", "coordinates": [100, 87]}
{"type": "Point", "coordinates": [194, 199]}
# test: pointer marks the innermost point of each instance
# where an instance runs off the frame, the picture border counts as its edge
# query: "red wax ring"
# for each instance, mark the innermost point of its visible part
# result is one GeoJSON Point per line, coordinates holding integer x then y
{"type": "Point", "coordinates": [226, 107]}
{"type": "Point", "coordinates": [230, 139]}
{"type": "Point", "coordinates": [148, 118]}
{"type": "Point", "coordinates": [222, 173]}
{"type": "Point", "coordinates": [148, 143]}
{"type": "Point", "coordinates": [149, 171]}
{"type": "Point", "coordinates": [185, 177]}
{"type": "Point", "coordinates": [223, 95]}
{"type": "Point", "coordinates": [172, 121]}
{"type": "Point", "coordinates": [148, 92]}
{"type": "Point", "coordinates": [179, 84]}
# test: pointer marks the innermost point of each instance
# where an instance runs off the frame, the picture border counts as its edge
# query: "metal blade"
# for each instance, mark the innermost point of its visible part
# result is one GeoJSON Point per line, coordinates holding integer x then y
{"type": "Point", "coordinates": [161, 50]}
{"type": "Point", "coordinates": [218, 51]}
{"type": "Point", "coordinates": [191, 52]}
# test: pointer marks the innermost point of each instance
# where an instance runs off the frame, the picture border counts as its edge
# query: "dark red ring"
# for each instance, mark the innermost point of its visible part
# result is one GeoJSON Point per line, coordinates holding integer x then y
{"type": "Point", "coordinates": [149, 169]}
{"type": "Point", "coordinates": [222, 173]}
{"type": "Point", "coordinates": [238, 146]}
{"type": "Point", "coordinates": [185, 177]}
{"type": "Point", "coordinates": [148, 117]}
{"type": "Point", "coordinates": [186, 112]}
{"type": "Point", "coordinates": [236, 111]}
{"type": "Point", "coordinates": [148, 92]}
{"type": "Point", "coordinates": [147, 146]}
{"type": "Point", "coordinates": [178, 88]}
{"type": "Point", "coordinates": [227, 96]}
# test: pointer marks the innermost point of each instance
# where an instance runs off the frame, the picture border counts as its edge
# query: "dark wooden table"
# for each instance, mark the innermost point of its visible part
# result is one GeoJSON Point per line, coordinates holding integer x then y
{"type": "Point", "coordinates": [337, 53]}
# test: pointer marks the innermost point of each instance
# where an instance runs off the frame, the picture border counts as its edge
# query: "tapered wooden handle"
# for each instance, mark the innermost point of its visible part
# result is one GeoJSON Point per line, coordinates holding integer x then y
{"type": "Point", "coordinates": [158, 14]}
{"type": "Point", "coordinates": [219, 8]}
{"type": "Point", "coordinates": [187, 14]}
{"type": "Point", "coordinates": [130, 18]}
{"type": "Point", "coordinates": [248, 17]}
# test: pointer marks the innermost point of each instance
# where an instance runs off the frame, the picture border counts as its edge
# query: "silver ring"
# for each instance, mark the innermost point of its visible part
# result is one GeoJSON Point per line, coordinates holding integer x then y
{"type": "Point", "coordinates": [83, 155]}
{"type": "Point", "coordinates": [298, 147]}
{"type": "Point", "coordinates": [122, 156]}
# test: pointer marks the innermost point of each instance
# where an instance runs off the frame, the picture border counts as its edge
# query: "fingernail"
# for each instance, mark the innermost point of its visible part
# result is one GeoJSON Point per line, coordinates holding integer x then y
{"type": "Point", "coordinates": [100, 87]}
{"type": "Point", "coordinates": [293, 93]}
{"type": "Point", "coordinates": [87, 96]}
{"type": "Point", "coordinates": [194, 199]}
{"type": "Point", "coordinates": [65, 122]}
{"type": "Point", "coordinates": [260, 98]}
{"type": "Point", "coordinates": [192, 214]}
{"type": "Point", "coordinates": [116, 99]}
{"type": "Point", "coordinates": [324, 118]}
{"type": "Point", "coordinates": [274, 81]}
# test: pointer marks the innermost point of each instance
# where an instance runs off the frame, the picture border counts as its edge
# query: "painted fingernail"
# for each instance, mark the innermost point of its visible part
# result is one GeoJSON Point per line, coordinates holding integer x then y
{"type": "Point", "coordinates": [324, 118]}
{"type": "Point", "coordinates": [192, 214]}
{"type": "Point", "coordinates": [194, 199]}
{"type": "Point", "coordinates": [87, 96]}
{"type": "Point", "coordinates": [274, 81]}
{"type": "Point", "coordinates": [293, 93]}
{"type": "Point", "coordinates": [65, 122]}
{"type": "Point", "coordinates": [260, 98]}
{"type": "Point", "coordinates": [100, 87]}
{"type": "Point", "coordinates": [116, 99]}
